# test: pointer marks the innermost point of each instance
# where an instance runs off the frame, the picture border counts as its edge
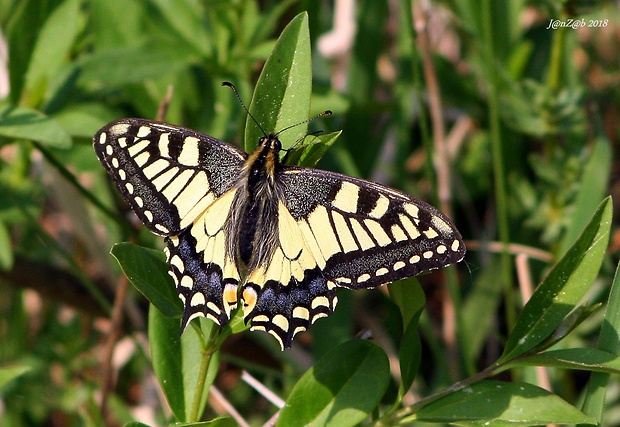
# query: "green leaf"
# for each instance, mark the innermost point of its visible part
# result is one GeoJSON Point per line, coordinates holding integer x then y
{"type": "Point", "coordinates": [147, 271]}
{"type": "Point", "coordinates": [308, 154]}
{"type": "Point", "coordinates": [282, 94]}
{"type": "Point", "coordinates": [591, 188]}
{"type": "Point", "coordinates": [587, 359]}
{"type": "Point", "coordinates": [563, 288]}
{"type": "Point", "coordinates": [30, 124]}
{"type": "Point", "coordinates": [609, 341]}
{"type": "Point", "coordinates": [498, 404]}
{"type": "Point", "coordinates": [9, 373]}
{"type": "Point", "coordinates": [53, 45]}
{"type": "Point", "coordinates": [409, 297]}
{"type": "Point", "coordinates": [337, 391]}
{"type": "Point", "coordinates": [177, 359]}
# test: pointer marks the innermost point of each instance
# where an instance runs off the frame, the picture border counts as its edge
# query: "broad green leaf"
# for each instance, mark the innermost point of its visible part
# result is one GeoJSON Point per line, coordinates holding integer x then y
{"type": "Point", "coordinates": [308, 154]}
{"type": "Point", "coordinates": [84, 120]}
{"type": "Point", "coordinates": [499, 404]}
{"type": "Point", "coordinates": [146, 269]}
{"type": "Point", "coordinates": [563, 288]}
{"type": "Point", "coordinates": [409, 355]}
{"type": "Point", "coordinates": [177, 360]}
{"type": "Point", "coordinates": [341, 389]}
{"type": "Point", "coordinates": [282, 94]}
{"type": "Point", "coordinates": [409, 297]}
{"type": "Point", "coordinates": [53, 45]}
{"type": "Point", "coordinates": [30, 124]}
{"type": "Point", "coordinates": [591, 188]}
{"type": "Point", "coordinates": [587, 359]}
{"type": "Point", "coordinates": [9, 373]}
{"type": "Point", "coordinates": [609, 341]}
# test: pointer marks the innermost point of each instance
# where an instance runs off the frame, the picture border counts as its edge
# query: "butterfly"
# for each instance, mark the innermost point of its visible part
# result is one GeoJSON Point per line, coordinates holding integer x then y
{"type": "Point", "coordinates": [279, 240]}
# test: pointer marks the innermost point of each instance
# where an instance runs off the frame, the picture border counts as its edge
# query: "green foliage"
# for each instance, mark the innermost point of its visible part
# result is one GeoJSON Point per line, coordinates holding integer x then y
{"type": "Point", "coordinates": [535, 162]}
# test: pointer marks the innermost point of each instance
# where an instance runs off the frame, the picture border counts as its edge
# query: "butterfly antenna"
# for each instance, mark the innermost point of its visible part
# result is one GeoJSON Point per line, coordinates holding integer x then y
{"type": "Point", "coordinates": [324, 113]}
{"type": "Point", "coordinates": [234, 89]}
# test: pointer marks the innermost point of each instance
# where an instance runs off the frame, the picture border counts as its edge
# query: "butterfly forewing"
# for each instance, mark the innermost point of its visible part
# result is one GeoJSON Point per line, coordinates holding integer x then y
{"type": "Point", "coordinates": [168, 175]}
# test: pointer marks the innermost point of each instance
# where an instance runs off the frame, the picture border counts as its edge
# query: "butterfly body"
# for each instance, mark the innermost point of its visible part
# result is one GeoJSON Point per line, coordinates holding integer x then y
{"type": "Point", "coordinates": [278, 239]}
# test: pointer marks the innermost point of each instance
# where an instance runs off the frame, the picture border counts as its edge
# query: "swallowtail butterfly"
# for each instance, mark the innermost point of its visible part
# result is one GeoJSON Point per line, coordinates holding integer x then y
{"type": "Point", "coordinates": [279, 239]}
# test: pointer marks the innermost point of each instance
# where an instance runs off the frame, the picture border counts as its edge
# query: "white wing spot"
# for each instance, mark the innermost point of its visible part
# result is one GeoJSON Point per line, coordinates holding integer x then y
{"type": "Point", "coordinates": [412, 209]}
{"type": "Point", "coordinates": [320, 302]}
{"type": "Point", "coordinates": [414, 259]}
{"type": "Point", "coordinates": [144, 131]}
{"type": "Point", "coordinates": [162, 144]}
{"type": "Point", "coordinates": [115, 163]}
{"type": "Point", "coordinates": [346, 198]}
{"type": "Point", "coordinates": [343, 280]}
{"type": "Point", "coordinates": [398, 265]}
{"type": "Point", "coordinates": [441, 225]}
{"type": "Point", "coordinates": [441, 249]}
{"type": "Point", "coordinates": [109, 150]}
{"type": "Point", "coordinates": [189, 153]}
{"type": "Point", "coordinates": [197, 299]}
{"type": "Point", "coordinates": [301, 313]}
{"type": "Point", "coordinates": [122, 175]}
{"type": "Point", "coordinates": [162, 228]}
{"type": "Point", "coordinates": [139, 201]}
{"type": "Point", "coordinates": [102, 138]}
{"type": "Point", "coordinates": [129, 187]}
{"type": "Point", "coordinates": [382, 271]}
{"type": "Point", "coordinates": [455, 245]}
{"type": "Point", "coordinates": [214, 308]}
{"type": "Point", "coordinates": [381, 207]}
{"type": "Point", "coordinates": [363, 278]}
{"type": "Point", "coordinates": [119, 128]}
{"type": "Point", "coordinates": [428, 254]}
{"type": "Point", "coordinates": [149, 215]}
{"type": "Point", "coordinates": [281, 322]}
{"type": "Point", "coordinates": [178, 263]}
{"type": "Point", "coordinates": [431, 233]}
{"type": "Point", "coordinates": [187, 282]}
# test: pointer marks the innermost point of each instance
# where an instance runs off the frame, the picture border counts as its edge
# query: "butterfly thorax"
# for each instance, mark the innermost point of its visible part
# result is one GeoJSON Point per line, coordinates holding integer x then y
{"type": "Point", "coordinates": [254, 213]}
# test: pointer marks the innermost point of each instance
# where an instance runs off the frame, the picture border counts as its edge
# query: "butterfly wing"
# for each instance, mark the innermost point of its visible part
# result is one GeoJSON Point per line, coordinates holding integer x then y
{"type": "Point", "coordinates": [335, 230]}
{"type": "Point", "coordinates": [167, 174]}
{"type": "Point", "coordinates": [179, 183]}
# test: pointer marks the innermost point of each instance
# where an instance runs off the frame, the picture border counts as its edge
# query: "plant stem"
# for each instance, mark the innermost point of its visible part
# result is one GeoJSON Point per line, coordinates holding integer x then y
{"type": "Point", "coordinates": [207, 353]}
{"type": "Point", "coordinates": [498, 161]}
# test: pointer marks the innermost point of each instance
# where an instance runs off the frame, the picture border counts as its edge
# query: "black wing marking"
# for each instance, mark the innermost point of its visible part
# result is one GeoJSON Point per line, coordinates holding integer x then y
{"type": "Point", "coordinates": [167, 174]}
